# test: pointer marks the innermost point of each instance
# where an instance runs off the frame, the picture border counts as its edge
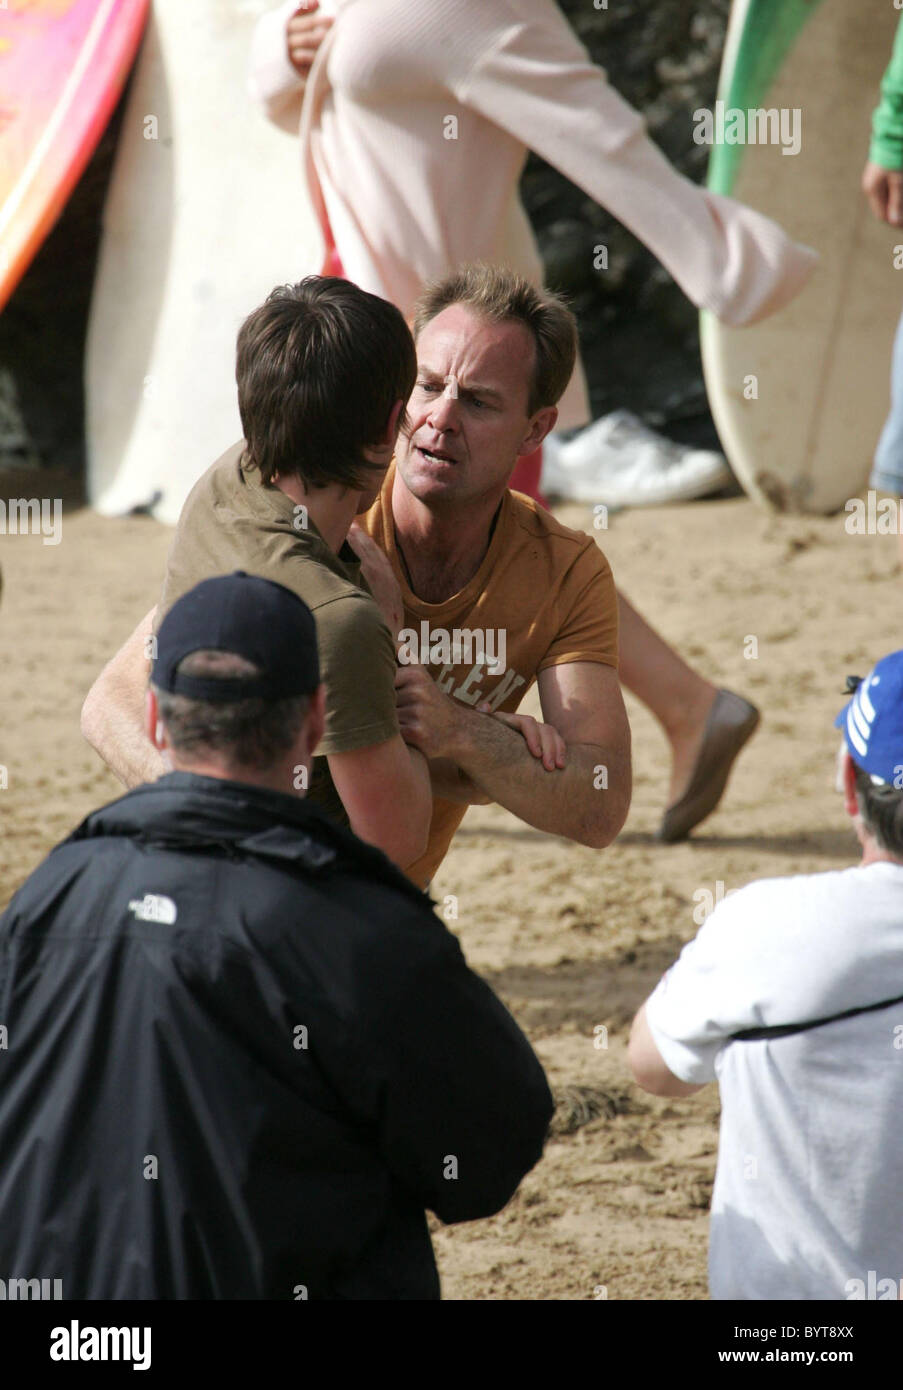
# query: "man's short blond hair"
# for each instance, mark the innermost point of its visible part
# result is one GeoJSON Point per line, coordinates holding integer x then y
{"type": "Point", "coordinates": [500, 295]}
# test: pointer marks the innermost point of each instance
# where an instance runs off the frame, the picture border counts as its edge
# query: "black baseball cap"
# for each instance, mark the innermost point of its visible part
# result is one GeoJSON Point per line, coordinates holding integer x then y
{"type": "Point", "coordinates": [251, 617]}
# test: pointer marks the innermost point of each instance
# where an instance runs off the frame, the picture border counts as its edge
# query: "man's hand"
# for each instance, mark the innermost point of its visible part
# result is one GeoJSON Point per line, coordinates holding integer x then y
{"type": "Point", "coordinates": [428, 719]}
{"type": "Point", "coordinates": [304, 33]}
{"type": "Point", "coordinates": [543, 740]}
{"type": "Point", "coordinates": [380, 578]}
{"type": "Point", "coordinates": [884, 190]}
{"type": "Point", "coordinates": [435, 723]}
{"type": "Point", "coordinates": [586, 801]}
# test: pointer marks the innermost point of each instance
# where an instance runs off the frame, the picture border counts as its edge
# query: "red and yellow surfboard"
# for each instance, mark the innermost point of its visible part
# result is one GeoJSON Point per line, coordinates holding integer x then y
{"type": "Point", "coordinates": [63, 64]}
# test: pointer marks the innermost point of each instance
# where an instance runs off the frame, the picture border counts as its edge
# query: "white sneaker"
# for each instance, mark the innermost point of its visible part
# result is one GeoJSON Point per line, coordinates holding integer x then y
{"type": "Point", "coordinates": [620, 461]}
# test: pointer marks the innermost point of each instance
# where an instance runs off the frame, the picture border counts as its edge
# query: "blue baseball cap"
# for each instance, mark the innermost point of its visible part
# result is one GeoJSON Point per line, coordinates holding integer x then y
{"type": "Point", "coordinates": [873, 720]}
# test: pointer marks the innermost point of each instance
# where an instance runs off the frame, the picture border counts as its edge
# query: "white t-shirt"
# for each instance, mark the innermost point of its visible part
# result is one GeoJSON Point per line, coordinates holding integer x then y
{"type": "Point", "coordinates": [809, 1187]}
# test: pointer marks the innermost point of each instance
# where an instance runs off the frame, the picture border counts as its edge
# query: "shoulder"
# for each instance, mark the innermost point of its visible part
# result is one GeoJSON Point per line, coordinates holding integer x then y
{"type": "Point", "coordinates": [771, 918]}
{"type": "Point", "coordinates": [224, 478]}
{"type": "Point", "coordinates": [533, 524]}
{"type": "Point", "coordinates": [515, 32]}
{"type": "Point", "coordinates": [796, 890]}
{"type": "Point", "coordinates": [538, 523]}
{"type": "Point", "coordinates": [348, 615]}
{"type": "Point", "coordinates": [38, 902]}
{"type": "Point", "coordinates": [495, 20]}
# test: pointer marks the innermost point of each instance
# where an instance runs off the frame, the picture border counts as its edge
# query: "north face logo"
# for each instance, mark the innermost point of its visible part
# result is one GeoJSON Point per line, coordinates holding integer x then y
{"type": "Point", "coordinates": [153, 908]}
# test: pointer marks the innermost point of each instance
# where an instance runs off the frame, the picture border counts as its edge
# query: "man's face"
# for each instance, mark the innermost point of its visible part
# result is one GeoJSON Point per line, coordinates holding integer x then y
{"type": "Point", "coordinates": [468, 412]}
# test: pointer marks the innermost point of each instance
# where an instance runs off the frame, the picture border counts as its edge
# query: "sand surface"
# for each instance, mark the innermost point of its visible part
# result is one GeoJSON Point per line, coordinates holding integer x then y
{"type": "Point", "coordinates": [569, 937]}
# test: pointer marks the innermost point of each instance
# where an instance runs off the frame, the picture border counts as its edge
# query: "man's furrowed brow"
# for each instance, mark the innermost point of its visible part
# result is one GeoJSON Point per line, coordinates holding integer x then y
{"type": "Point", "coordinates": [466, 388]}
{"type": "Point", "coordinates": [474, 389]}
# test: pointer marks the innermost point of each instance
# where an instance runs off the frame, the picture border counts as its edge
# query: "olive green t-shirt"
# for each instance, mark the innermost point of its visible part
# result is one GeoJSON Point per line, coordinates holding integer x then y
{"type": "Point", "coordinates": [231, 521]}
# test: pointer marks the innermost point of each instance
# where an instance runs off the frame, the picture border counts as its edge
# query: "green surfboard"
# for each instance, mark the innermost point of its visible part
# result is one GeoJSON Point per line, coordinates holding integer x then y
{"type": "Point", "coordinates": [800, 399]}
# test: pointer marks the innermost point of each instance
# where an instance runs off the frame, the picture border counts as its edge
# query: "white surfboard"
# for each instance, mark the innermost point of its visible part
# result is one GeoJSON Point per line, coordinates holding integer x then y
{"type": "Point", "coordinates": [206, 212]}
{"type": "Point", "coordinates": [800, 399]}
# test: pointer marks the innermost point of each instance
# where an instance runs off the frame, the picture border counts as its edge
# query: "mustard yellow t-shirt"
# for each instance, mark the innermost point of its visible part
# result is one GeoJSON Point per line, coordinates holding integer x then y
{"type": "Point", "coordinates": [547, 588]}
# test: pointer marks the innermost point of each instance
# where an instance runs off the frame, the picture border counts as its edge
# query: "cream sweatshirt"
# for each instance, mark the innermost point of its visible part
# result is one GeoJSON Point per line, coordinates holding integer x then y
{"type": "Point", "coordinates": [415, 126]}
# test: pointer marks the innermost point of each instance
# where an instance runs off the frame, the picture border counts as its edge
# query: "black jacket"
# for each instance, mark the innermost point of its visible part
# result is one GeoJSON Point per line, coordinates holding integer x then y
{"type": "Point", "coordinates": [243, 1056]}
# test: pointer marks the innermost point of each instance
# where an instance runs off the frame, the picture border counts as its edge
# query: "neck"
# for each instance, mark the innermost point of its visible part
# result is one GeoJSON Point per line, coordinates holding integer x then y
{"type": "Point", "coordinates": [274, 779]}
{"type": "Point", "coordinates": [872, 853]}
{"type": "Point", "coordinates": [332, 509]}
{"type": "Point", "coordinates": [442, 548]}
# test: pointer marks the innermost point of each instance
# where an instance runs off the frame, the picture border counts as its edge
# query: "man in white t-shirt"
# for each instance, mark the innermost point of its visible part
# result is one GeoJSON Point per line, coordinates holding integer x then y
{"type": "Point", "coordinates": [791, 997]}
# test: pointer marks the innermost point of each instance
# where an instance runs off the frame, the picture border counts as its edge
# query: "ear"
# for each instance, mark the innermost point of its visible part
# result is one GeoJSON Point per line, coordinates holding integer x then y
{"type": "Point", "coordinates": [541, 424]}
{"type": "Point", "coordinates": [394, 422]}
{"type": "Point", "coordinates": [152, 724]}
{"type": "Point", "coordinates": [380, 453]}
{"type": "Point", "coordinates": [848, 774]}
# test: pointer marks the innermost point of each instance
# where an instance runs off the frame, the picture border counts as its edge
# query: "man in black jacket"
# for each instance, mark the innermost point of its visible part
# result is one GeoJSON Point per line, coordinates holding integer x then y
{"type": "Point", "coordinates": [239, 1054]}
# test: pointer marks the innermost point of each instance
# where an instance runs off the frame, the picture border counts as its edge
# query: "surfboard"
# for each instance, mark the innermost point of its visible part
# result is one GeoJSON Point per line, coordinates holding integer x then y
{"type": "Point", "coordinates": [63, 64]}
{"type": "Point", "coordinates": [800, 399]}
{"type": "Point", "coordinates": [206, 212]}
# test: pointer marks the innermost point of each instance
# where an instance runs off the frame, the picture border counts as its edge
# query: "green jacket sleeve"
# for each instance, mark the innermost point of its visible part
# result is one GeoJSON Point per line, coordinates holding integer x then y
{"type": "Point", "coordinates": [887, 123]}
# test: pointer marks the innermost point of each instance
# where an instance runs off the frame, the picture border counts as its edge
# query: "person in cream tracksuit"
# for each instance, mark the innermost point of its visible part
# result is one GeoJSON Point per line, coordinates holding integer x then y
{"type": "Point", "coordinates": [415, 125]}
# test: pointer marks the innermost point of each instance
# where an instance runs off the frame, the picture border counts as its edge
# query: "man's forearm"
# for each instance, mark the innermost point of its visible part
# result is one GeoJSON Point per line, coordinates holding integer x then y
{"type": "Point", "coordinates": [124, 747]}
{"type": "Point", "coordinates": [649, 1067]}
{"type": "Point", "coordinates": [112, 723]}
{"type": "Point", "coordinates": [113, 719]}
{"type": "Point", "coordinates": [420, 768]}
{"type": "Point", "coordinates": [450, 783]}
{"type": "Point", "coordinates": [586, 801]}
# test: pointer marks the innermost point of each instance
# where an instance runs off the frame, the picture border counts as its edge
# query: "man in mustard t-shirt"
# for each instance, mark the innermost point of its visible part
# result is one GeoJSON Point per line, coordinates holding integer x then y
{"type": "Point", "coordinates": [497, 594]}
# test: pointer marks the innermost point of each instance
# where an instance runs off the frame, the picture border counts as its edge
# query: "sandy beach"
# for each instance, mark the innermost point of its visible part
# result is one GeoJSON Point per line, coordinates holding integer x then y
{"type": "Point", "coordinates": [571, 939]}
